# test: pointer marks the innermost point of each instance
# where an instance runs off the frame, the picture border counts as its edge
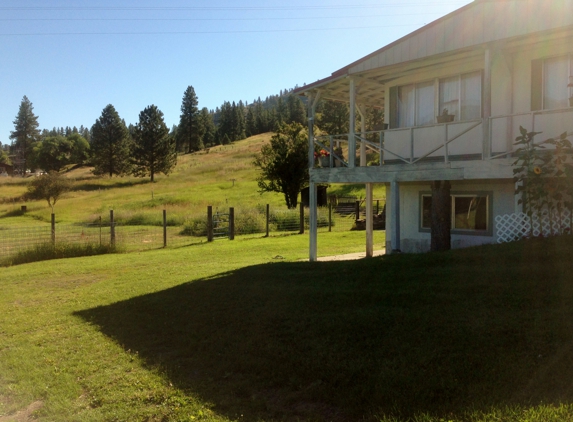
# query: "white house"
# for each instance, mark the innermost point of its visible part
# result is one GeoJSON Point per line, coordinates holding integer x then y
{"type": "Point", "coordinates": [495, 65]}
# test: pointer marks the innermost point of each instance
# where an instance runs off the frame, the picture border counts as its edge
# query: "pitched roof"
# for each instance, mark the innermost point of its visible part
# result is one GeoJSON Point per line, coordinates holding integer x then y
{"type": "Point", "coordinates": [476, 24]}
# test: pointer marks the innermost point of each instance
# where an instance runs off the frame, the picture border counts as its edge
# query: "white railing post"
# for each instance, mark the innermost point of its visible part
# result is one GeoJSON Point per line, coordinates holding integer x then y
{"type": "Point", "coordinates": [381, 148]}
{"type": "Point", "coordinates": [330, 152]}
{"type": "Point", "coordinates": [351, 126]}
{"type": "Point", "coordinates": [411, 145]}
{"type": "Point", "coordinates": [446, 159]}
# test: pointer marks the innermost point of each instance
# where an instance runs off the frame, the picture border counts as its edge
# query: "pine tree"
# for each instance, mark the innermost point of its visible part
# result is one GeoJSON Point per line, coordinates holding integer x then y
{"type": "Point", "coordinates": [206, 118]}
{"type": "Point", "coordinates": [154, 150]}
{"type": "Point", "coordinates": [296, 111]}
{"type": "Point", "coordinates": [250, 124]}
{"type": "Point", "coordinates": [110, 144]}
{"type": "Point", "coordinates": [26, 130]}
{"type": "Point", "coordinates": [334, 117]}
{"type": "Point", "coordinates": [190, 132]}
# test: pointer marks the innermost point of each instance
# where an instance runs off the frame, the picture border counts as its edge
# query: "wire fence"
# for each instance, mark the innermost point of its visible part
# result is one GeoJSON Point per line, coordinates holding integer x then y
{"type": "Point", "coordinates": [130, 238]}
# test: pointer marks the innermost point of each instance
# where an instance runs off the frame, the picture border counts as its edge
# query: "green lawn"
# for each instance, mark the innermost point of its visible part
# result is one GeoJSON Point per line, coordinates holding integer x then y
{"type": "Point", "coordinates": [245, 331]}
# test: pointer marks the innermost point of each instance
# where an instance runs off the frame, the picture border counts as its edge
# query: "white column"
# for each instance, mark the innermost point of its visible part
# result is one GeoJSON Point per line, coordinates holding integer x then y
{"type": "Point", "coordinates": [395, 216]}
{"type": "Point", "coordinates": [369, 222]}
{"type": "Point", "coordinates": [361, 112]}
{"type": "Point", "coordinates": [351, 128]}
{"type": "Point", "coordinates": [310, 131]}
{"type": "Point", "coordinates": [313, 222]}
{"type": "Point", "coordinates": [486, 103]}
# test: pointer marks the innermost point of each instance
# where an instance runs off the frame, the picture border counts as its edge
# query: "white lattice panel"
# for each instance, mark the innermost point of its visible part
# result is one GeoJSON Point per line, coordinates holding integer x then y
{"type": "Point", "coordinates": [511, 227]}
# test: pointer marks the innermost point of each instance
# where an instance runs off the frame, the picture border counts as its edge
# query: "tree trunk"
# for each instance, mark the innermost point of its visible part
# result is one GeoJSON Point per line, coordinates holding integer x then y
{"type": "Point", "coordinates": [441, 216]}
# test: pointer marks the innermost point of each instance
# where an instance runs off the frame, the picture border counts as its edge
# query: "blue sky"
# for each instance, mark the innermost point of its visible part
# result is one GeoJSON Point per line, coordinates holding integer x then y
{"type": "Point", "coordinates": [71, 57]}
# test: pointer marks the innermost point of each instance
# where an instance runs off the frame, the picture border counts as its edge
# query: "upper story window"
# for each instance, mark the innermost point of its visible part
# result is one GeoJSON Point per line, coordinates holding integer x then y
{"type": "Point", "coordinates": [549, 83]}
{"type": "Point", "coordinates": [415, 104]}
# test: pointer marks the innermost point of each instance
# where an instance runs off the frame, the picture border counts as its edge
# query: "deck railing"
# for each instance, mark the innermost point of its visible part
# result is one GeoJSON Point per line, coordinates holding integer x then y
{"type": "Point", "coordinates": [445, 142]}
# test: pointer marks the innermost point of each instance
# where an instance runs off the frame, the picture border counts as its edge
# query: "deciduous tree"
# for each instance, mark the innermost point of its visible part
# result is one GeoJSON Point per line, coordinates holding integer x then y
{"type": "Point", "coordinates": [50, 187]}
{"type": "Point", "coordinates": [154, 150]}
{"type": "Point", "coordinates": [284, 163]}
{"type": "Point", "coordinates": [110, 144]}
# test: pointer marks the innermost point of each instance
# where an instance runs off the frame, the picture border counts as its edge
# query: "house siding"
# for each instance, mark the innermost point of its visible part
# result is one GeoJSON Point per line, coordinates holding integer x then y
{"type": "Point", "coordinates": [413, 240]}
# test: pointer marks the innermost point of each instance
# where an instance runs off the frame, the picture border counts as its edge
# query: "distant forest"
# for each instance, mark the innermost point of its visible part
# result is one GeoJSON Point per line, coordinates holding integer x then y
{"type": "Point", "coordinates": [198, 128]}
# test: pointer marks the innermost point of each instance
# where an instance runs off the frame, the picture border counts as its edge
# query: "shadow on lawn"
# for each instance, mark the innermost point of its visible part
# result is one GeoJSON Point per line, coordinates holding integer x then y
{"type": "Point", "coordinates": [437, 334]}
{"type": "Point", "coordinates": [114, 184]}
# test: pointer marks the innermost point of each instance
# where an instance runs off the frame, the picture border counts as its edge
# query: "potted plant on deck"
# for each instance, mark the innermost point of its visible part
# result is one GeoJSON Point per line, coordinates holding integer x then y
{"type": "Point", "coordinates": [323, 157]}
{"type": "Point", "coordinates": [445, 117]}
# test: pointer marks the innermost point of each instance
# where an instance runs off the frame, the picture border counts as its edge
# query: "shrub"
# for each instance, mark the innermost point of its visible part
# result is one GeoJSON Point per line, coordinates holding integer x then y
{"type": "Point", "coordinates": [194, 226]}
{"type": "Point", "coordinates": [47, 251]}
{"type": "Point", "coordinates": [248, 221]}
{"type": "Point", "coordinates": [285, 220]}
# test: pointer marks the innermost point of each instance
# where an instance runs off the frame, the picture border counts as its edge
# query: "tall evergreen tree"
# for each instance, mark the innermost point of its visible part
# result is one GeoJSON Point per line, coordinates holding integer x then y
{"type": "Point", "coordinates": [110, 144]}
{"type": "Point", "coordinates": [334, 117]}
{"type": "Point", "coordinates": [206, 118]}
{"type": "Point", "coordinates": [250, 124]}
{"type": "Point", "coordinates": [25, 131]}
{"type": "Point", "coordinates": [296, 111]}
{"type": "Point", "coordinates": [190, 132]}
{"type": "Point", "coordinates": [153, 149]}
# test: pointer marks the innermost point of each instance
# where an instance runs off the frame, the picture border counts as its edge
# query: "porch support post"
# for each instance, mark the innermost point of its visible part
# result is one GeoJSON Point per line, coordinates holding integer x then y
{"type": "Point", "coordinates": [312, 103]}
{"type": "Point", "coordinates": [369, 222]}
{"type": "Point", "coordinates": [395, 216]}
{"type": "Point", "coordinates": [361, 111]}
{"type": "Point", "coordinates": [351, 126]}
{"type": "Point", "coordinates": [313, 226]}
{"type": "Point", "coordinates": [487, 103]}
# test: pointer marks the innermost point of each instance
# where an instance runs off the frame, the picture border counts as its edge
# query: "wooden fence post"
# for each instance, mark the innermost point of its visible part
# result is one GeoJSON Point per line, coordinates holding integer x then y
{"type": "Point", "coordinates": [210, 223]}
{"type": "Point", "coordinates": [301, 218]}
{"type": "Point", "coordinates": [268, 218]}
{"type": "Point", "coordinates": [53, 229]}
{"type": "Point", "coordinates": [164, 228]}
{"type": "Point", "coordinates": [111, 228]}
{"type": "Point", "coordinates": [330, 216]}
{"type": "Point", "coordinates": [231, 223]}
{"type": "Point", "coordinates": [357, 210]}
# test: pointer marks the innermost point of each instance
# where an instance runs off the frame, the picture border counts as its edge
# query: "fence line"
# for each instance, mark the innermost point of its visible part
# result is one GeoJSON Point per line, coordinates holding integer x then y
{"type": "Point", "coordinates": [247, 222]}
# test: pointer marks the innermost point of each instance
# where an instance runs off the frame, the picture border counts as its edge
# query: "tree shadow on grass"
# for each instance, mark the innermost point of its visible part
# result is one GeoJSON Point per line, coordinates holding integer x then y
{"type": "Point", "coordinates": [397, 336]}
{"type": "Point", "coordinates": [115, 184]}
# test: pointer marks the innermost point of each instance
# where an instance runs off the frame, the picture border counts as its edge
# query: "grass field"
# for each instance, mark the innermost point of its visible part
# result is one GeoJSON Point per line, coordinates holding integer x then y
{"type": "Point", "coordinates": [224, 177]}
{"type": "Point", "coordinates": [243, 331]}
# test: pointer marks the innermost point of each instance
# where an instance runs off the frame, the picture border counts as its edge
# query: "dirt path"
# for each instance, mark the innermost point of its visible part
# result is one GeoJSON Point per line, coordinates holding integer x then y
{"type": "Point", "coordinates": [23, 415]}
{"type": "Point", "coordinates": [350, 256]}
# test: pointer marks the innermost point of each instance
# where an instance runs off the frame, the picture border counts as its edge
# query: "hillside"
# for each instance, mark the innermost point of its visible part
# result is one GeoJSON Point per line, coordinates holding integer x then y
{"type": "Point", "coordinates": [222, 176]}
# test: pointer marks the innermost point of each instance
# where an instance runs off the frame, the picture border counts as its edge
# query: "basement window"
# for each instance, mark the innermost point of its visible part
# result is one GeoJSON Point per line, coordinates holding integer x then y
{"type": "Point", "coordinates": [471, 213]}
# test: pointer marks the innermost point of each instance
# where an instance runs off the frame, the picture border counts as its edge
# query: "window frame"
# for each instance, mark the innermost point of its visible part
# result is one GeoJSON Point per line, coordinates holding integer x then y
{"type": "Point", "coordinates": [470, 232]}
{"type": "Point", "coordinates": [538, 78]}
{"type": "Point", "coordinates": [437, 104]}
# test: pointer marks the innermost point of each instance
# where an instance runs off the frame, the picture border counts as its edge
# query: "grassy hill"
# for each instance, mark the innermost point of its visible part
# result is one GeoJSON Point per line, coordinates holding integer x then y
{"type": "Point", "coordinates": [223, 177]}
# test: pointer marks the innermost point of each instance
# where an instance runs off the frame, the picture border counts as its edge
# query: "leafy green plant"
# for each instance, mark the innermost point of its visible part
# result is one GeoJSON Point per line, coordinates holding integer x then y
{"type": "Point", "coordinates": [543, 176]}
